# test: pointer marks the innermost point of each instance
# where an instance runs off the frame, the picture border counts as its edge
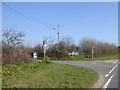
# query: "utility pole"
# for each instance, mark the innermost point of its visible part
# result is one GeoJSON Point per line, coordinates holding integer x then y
{"type": "Point", "coordinates": [58, 38]}
{"type": "Point", "coordinates": [58, 33]}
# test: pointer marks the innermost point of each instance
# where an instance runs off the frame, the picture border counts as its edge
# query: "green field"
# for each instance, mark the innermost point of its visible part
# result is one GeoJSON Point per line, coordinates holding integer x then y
{"type": "Point", "coordinates": [107, 57]}
{"type": "Point", "coordinates": [47, 75]}
{"type": "Point", "coordinates": [82, 58]}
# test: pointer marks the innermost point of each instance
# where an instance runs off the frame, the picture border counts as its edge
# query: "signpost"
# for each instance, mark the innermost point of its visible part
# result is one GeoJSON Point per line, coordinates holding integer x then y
{"type": "Point", "coordinates": [92, 51]}
{"type": "Point", "coordinates": [35, 55]}
{"type": "Point", "coordinates": [44, 47]}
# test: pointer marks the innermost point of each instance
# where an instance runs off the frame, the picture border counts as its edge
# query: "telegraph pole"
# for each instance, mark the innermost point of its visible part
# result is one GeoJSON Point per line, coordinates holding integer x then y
{"type": "Point", "coordinates": [58, 33]}
{"type": "Point", "coordinates": [58, 38]}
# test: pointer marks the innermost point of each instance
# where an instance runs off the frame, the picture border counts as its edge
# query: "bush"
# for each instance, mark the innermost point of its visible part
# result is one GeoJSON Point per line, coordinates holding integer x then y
{"type": "Point", "coordinates": [47, 58]}
{"type": "Point", "coordinates": [16, 56]}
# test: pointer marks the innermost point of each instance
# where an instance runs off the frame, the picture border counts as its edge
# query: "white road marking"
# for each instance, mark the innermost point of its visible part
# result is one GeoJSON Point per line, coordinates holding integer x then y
{"type": "Point", "coordinates": [108, 82]}
{"type": "Point", "coordinates": [111, 71]}
{"type": "Point", "coordinates": [113, 68]}
{"type": "Point", "coordinates": [106, 75]}
{"type": "Point", "coordinates": [115, 61]}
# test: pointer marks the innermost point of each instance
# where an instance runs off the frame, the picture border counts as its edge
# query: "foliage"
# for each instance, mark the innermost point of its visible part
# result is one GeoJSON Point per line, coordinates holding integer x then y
{"type": "Point", "coordinates": [100, 48]}
{"type": "Point", "coordinates": [83, 58]}
{"type": "Point", "coordinates": [12, 49]}
{"type": "Point", "coordinates": [12, 38]}
{"type": "Point", "coordinates": [107, 57]}
{"type": "Point", "coordinates": [66, 45]}
{"type": "Point", "coordinates": [47, 75]}
{"type": "Point", "coordinates": [15, 53]}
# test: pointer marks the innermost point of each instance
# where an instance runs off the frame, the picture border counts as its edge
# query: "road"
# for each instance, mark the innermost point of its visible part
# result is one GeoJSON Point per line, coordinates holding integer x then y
{"type": "Point", "coordinates": [107, 70]}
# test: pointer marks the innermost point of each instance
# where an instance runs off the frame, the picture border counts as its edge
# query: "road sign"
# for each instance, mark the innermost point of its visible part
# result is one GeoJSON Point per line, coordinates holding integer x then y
{"type": "Point", "coordinates": [92, 50]}
{"type": "Point", "coordinates": [44, 47]}
{"type": "Point", "coordinates": [44, 41]}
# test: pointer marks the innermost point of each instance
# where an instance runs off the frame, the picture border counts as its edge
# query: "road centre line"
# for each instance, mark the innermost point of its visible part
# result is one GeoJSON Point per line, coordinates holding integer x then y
{"type": "Point", "coordinates": [108, 82]}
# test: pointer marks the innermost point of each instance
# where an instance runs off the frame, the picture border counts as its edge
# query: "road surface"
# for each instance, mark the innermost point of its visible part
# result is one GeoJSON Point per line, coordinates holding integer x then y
{"type": "Point", "coordinates": [107, 70]}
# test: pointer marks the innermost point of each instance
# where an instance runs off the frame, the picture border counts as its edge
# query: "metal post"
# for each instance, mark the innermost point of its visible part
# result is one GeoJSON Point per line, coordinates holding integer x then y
{"type": "Point", "coordinates": [58, 33]}
{"type": "Point", "coordinates": [44, 54]}
{"type": "Point", "coordinates": [58, 38]}
{"type": "Point", "coordinates": [44, 48]}
{"type": "Point", "coordinates": [92, 52]}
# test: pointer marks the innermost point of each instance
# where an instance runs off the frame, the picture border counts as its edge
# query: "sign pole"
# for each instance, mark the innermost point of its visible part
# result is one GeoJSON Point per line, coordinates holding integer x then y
{"type": "Point", "coordinates": [92, 51]}
{"type": "Point", "coordinates": [44, 55]}
{"type": "Point", "coordinates": [58, 39]}
{"type": "Point", "coordinates": [44, 48]}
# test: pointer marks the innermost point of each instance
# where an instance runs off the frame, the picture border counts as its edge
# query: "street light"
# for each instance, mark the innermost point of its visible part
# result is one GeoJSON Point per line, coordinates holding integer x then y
{"type": "Point", "coordinates": [58, 33]}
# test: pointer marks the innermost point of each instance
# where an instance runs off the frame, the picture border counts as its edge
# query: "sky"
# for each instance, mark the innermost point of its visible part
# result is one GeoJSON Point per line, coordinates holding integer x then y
{"type": "Point", "coordinates": [97, 20]}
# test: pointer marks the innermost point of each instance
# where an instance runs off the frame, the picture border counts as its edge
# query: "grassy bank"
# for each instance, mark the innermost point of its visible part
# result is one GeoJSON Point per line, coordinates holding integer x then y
{"type": "Point", "coordinates": [107, 57]}
{"type": "Point", "coordinates": [47, 75]}
{"type": "Point", "coordinates": [82, 58]}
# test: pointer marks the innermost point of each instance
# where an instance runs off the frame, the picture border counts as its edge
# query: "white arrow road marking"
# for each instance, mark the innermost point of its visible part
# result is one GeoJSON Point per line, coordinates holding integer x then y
{"type": "Point", "coordinates": [108, 82]}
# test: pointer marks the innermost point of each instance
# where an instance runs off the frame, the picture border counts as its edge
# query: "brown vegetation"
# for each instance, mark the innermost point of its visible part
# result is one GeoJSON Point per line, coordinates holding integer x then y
{"type": "Point", "coordinates": [14, 52]}
{"type": "Point", "coordinates": [100, 48]}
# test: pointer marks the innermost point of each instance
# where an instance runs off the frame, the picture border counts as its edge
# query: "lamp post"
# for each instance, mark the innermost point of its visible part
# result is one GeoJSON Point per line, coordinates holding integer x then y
{"type": "Point", "coordinates": [58, 33]}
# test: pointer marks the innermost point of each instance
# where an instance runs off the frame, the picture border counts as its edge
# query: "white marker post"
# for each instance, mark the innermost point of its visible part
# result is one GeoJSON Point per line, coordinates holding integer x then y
{"type": "Point", "coordinates": [35, 55]}
{"type": "Point", "coordinates": [92, 51]}
{"type": "Point", "coordinates": [44, 48]}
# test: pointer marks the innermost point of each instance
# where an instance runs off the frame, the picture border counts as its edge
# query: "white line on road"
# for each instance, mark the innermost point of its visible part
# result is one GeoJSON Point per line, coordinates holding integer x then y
{"type": "Point", "coordinates": [106, 75]}
{"type": "Point", "coordinates": [108, 82]}
{"type": "Point", "coordinates": [115, 61]}
{"type": "Point", "coordinates": [111, 70]}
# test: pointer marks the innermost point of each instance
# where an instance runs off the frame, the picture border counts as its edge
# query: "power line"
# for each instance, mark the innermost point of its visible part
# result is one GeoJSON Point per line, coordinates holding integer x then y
{"type": "Point", "coordinates": [35, 21]}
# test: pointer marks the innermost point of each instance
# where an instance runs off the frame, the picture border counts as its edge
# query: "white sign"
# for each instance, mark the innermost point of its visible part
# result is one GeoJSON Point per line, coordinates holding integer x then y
{"type": "Point", "coordinates": [44, 48]}
{"type": "Point", "coordinates": [34, 55]}
{"type": "Point", "coordinates": [92, 51]}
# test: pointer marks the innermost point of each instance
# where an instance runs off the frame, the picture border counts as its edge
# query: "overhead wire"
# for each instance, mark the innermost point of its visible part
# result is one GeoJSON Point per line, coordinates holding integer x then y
{"type": "Point", "coordinates": [27, 17]}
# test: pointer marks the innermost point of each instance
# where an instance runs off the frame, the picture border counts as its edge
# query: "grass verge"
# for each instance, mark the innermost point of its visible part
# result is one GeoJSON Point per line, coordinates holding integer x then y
{"type": "Point", "coordinates": [82, 58]}
{"type": "Point", "coordinates": [47, 75]}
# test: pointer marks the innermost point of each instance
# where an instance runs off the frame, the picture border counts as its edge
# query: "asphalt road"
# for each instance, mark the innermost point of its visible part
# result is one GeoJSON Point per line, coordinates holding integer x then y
{"type": "Point", "coordinates": [107, 70]}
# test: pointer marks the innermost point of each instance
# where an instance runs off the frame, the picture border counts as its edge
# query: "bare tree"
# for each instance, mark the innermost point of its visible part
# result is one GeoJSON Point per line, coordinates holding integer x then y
{"type": "Point", "coordinates": [100, 47]}
{"type": "Point", "coordinates": [86, 45]}
{"type": "Point", "coordinates": [12, 38]}
{"type": "Point", "coordinates": [12, 50]}
{"type": "Point", "coordinates": [68, 40]}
